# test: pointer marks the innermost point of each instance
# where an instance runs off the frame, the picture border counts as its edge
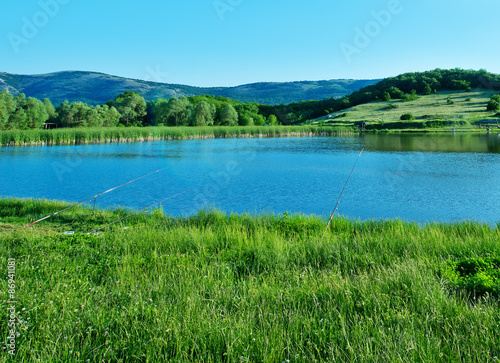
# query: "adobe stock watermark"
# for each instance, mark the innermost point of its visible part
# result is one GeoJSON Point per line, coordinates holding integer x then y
{"type": "Point", "coordinates": [407, 165]}
{"type": "Point", "coordinates": [70, 164]}
{"type": "Point", "coordinates": [11, 310]}
{"type": "Point", "coordinates": [219, 181]}
{"type": "Point", "coordinates": [364, 36]}
{"type": "Point", "coordinates": [223, 6]}
{"type": "Point", "coordinates": [32, 25]}
{"type": "Point", "coordinates": [156, 75]}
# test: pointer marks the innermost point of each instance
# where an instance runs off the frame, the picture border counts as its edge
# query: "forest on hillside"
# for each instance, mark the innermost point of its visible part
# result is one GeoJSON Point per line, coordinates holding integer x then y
{"type": "Point", "coordinates": [131, 109]}
{"type": "Point", "coordinates": [404, 87]}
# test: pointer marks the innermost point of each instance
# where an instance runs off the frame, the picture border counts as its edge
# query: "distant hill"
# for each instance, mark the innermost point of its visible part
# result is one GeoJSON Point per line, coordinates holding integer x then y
{"type": "Point", "coordinates": [97, 88]}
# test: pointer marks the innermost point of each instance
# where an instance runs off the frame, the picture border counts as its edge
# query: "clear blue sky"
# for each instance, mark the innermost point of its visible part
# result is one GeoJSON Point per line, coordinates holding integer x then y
{"type": "Point", "coordinates": [243, 41]}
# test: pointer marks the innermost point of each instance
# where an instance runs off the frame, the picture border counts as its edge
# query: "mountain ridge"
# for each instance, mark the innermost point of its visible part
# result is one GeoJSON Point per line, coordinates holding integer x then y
{"type": "Point", "coordinates": [96, 88]}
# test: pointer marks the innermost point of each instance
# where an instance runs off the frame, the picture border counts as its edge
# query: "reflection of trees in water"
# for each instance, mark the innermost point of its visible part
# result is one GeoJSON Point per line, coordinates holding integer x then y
{"type": "Point", "coordinates": [477, 143]}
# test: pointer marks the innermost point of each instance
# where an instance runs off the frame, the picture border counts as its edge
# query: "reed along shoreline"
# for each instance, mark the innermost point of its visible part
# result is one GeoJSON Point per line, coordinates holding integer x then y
{"type": "Point", "coordinates": [77, 136]}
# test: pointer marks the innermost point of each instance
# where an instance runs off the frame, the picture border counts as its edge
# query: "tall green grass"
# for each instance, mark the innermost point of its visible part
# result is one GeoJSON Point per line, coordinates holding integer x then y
{"type": "Point", "coordinates": [240, 288]}
{"type": "Point", "coordinates": [129, 134]}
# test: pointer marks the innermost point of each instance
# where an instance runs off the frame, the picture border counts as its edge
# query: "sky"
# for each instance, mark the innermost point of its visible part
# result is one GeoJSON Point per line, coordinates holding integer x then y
{"type": "Point", "coordinates": [232, 42]}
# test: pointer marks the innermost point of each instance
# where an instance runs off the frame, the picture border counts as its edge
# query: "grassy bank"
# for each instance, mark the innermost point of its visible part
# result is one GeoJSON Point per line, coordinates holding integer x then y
{"type": "Point", "coordinates": [239, 288]}
{"type": "Point", "coordinates": [129, 134]}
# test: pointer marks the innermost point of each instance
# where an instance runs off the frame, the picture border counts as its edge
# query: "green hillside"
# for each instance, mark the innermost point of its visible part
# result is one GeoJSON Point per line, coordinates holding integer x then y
{"type": "Point", "coordinates": [404, 87]}
{"type": "Point", "coordinates": [97, 88]}
{"type": "Point", "coordinates": [443, 106]}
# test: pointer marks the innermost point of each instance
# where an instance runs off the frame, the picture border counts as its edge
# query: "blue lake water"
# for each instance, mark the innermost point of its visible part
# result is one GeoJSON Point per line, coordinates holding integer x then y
{"type": "Point", "coordinates": [413, 177]}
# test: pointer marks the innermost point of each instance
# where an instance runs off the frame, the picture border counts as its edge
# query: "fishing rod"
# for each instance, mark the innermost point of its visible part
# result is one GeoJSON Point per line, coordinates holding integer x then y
{"type": "Point", "coordinates": [338, 201]}
{"type": "Point", "coordinates": [94, 197]}
{"type": "Point", "coordinates": [139, 211]}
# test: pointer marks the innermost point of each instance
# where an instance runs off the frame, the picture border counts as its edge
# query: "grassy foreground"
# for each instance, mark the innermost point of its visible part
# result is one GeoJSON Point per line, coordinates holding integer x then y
{"type": "Point", "coordinates": [240, 288]}
{"type": "Point", "coordinates": [70, 136]}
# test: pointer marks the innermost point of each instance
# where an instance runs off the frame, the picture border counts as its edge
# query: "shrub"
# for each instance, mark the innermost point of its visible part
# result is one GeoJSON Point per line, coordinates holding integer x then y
{"type": "Point", "coordinates": [476, 276]}
{"type": "Point", "coordinates": [410, 97]}
{"type": "Point", "coordinates": [493, 105]}
{"type": "Point", "coordinates": [407, 117]}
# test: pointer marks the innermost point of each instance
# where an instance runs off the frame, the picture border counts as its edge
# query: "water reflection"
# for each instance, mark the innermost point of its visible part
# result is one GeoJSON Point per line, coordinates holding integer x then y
{"type": "Point", "coordinates": [453, 142]}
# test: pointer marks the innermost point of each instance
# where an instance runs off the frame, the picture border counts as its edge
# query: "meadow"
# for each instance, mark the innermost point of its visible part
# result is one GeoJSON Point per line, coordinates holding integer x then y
{"type": "Point", "coordinates": [247, 288]}
{"type": "Point", "coordinates": [433, 111]}
{"type": "Point", "coordinates": [70, 136]}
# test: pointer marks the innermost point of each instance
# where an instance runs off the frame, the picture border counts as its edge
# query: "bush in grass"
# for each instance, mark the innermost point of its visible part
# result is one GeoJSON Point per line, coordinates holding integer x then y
{"type": "Point", "coordinates": [476, 276]}
{"type": "Point", "coordinates": [392, 106]}
{"type": "Point", "coordinates": [410, 97]}
{"type": "Point", "coordinates": [493, 105]}
{"type": "Point", "coordinates": [407, 117]}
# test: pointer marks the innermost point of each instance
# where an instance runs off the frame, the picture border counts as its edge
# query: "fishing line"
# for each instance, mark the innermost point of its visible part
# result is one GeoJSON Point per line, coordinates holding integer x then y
{"type": "Point", "coordinates": [93, 197]}
{"type": "Point", "coordinates": [139, 211]}
{"type": "Point", "coordinates": [338, 201]}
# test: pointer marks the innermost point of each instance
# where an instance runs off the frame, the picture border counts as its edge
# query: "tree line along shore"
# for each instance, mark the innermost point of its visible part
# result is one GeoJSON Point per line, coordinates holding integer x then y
{"type": "Point", "coordinates": [18, 112]}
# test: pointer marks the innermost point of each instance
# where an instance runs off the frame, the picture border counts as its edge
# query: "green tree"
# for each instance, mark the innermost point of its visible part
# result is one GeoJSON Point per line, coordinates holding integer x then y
{"type": "Point", "coordinates": [395, 92]}
{"type": "Point", "coordinates": [7, 107]}
{"type": "Point", "coordinates": [132, 108]}
{"type": "Point", "coordinates": [410, 97]}
{"type": "Point", "coordinates": [460, 85]}
{"type": "Point", "coordinates": [36, 113]}
{"type": "Point", "coordinates": [427, 89]}
{"type": "Point", "coordinates": [75, 114]}
{"type": "Point", "coordinates": [259, 120]}
{"type": "Point", "coordinates": [493, 103]}
{"type": "Point", "coordinates": [179, 111]}
{"type": "Point", "coordinates": [93, 117]}
{"type": "Point", "coordinates": [387, 96]}
{"type": "Point", "coordinates": [344, 103]}
{"type": "Point", "coordinates": [272, 120]}
{"type": "Point", "coordinates": [203, 114]}
{"type": "Point", "coordinates": [246, 120]}
{"type": "Point", "coordinates": [50, 110]}
{"type": "Point", "coordinates": [19, 119]}
{"type": "Point", "coordinates": [64, 114]}
{"type": "Point", "coordinates": [248, 113]}
{"type": "Point", "coordinates": [79, 111]}
{"type": "Point", "coordinates": [160, 110]}
{"type": "Point", "coordinates": [109, 115]}
{"type": "Point", "coordinates": [229, 116]}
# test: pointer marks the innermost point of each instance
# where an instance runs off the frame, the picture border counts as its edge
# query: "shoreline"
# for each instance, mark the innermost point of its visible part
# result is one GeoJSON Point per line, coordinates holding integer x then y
{"type": "Point", "coordinates": [126, 135]}
{"type": "Point", "coordinates": [65, 137]}
{"type": "Point", "coordinates": [49, 204]}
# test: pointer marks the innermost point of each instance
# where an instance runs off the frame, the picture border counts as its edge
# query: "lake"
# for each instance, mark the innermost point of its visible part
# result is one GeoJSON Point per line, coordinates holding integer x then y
{"type": "Point", "coordinates": [414, 177]}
